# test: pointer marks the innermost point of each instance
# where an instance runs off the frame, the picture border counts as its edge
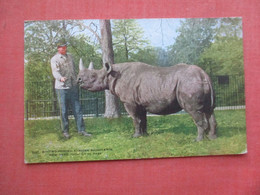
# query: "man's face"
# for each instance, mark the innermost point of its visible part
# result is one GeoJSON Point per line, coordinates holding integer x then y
{"type": "Point", "coordinates": [62, 50]}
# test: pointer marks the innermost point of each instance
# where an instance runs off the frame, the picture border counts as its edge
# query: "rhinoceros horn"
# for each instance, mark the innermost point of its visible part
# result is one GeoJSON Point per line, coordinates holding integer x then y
{"type": "Point", "coordinates": [81, 66]}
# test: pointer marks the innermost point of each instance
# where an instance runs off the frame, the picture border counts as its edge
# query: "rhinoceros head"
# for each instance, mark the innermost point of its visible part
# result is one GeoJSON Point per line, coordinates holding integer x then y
{"type": "Point", "coordinates": [91, 79]}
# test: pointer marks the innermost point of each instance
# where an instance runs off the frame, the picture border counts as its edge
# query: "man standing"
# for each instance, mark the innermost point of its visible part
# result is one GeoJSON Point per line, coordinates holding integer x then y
{"type": "Point", "coordinates": [63, 70]}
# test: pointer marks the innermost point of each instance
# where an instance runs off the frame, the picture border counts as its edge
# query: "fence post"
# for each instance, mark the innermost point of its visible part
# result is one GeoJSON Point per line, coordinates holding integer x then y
{"type": "Point", "coordinates": [44, 109]}
{"type": "Point", "coordinates": [96, 106]}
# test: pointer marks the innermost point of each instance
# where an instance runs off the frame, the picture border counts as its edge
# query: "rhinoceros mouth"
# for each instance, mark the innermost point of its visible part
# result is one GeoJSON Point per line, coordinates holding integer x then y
{"type": "Point", "coordinates": [86, 88]}
{"type": "Point", "coordinates": [82, 85]}
{"type": "Point", "coordinates": [92, 89]}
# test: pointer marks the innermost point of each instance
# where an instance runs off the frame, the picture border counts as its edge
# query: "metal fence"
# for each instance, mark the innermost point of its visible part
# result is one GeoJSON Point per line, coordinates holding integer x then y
{"type": "Point", "coordinates": [40, 98]}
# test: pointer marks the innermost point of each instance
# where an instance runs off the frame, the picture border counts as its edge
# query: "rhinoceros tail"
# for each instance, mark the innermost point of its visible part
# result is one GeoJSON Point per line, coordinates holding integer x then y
{"type": "Point", "coordinates": [212, 94]}
{"type": "Point", "coordinates": [209, 91]}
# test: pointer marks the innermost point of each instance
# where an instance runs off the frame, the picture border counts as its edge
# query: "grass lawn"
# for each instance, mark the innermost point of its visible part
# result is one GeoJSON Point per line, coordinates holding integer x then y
{"type": "Point", "coordinates": [169, 136]}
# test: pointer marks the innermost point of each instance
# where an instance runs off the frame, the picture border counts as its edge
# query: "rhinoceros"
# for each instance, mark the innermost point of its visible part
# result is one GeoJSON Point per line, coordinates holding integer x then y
{"type": "Point", "coordinates": [144, 88]}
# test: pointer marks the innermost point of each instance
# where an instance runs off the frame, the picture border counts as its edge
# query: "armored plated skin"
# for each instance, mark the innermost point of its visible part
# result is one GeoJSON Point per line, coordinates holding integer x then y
{"type": "Point", "coordinates": [144, 88]}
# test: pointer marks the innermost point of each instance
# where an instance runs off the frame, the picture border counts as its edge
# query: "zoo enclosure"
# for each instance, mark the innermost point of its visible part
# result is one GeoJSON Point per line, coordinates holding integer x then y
{"type": "Point", "coordinates": [40, 98]}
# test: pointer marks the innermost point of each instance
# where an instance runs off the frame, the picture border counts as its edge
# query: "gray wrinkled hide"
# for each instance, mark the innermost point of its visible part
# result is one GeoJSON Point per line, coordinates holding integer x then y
{"type": "Point", "coordinates": [144, 88]}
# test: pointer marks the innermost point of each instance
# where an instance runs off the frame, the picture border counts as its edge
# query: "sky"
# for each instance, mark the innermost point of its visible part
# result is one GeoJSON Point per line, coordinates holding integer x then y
{"type": "Point", "coordinates": [160, 32]}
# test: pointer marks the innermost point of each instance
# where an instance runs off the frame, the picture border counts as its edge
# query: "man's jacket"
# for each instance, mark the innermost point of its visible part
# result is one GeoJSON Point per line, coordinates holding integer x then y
{"type": "Point", "coordinates": [63, 66]}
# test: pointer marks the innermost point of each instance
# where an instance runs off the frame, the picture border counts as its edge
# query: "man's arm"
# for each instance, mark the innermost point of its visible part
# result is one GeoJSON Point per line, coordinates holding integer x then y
{"type": "Point", "coordinates": [56, 71]}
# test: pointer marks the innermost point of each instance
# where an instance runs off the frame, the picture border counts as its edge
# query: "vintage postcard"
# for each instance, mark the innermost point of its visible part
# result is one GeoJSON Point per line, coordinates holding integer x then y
{"type": "Point", "coordinates": [133, 89]}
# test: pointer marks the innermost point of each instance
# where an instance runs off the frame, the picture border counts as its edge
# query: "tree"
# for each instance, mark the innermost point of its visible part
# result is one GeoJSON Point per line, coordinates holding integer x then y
{"type": "Point", "coordinates": [112, 102]}
{"type": "Point", "coordinates": [41, 36]}
{"type": "Point", "coordinates": [127, 39]}
{"type": "Point", "coordinates": [229, 27]}
{"type": "Point", "coordinates": [153, 56]}
{"type": "Point", "coordinates": [225, 54]}
{"type": "Point", "coordinates": [194, 36]}
{"type": "Point", "coordinates": [147, 55]}
{"type": "Point", "coordinates": [81, 47]}
{"type": "Point", "coordinates": [162, 57]}
{"type": "Point", "coordinates": [224, 57]}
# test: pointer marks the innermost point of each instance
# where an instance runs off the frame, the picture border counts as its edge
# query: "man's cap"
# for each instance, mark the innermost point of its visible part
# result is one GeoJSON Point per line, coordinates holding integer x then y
{"type": "Point", "coordinates": [61, 43]}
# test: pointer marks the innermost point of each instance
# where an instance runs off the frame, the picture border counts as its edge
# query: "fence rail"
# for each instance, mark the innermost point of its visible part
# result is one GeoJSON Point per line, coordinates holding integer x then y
{"type": "Point", "coordinates": [45, 108]}
{"type": "Point", "coordinates": [41, 99]}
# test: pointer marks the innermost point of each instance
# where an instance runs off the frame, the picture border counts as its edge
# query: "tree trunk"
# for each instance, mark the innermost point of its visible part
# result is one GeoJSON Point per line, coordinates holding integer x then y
{"type": "Point", "coordinates": [112, 102]}
{"type": "Point", "coordinates": [126, 49]}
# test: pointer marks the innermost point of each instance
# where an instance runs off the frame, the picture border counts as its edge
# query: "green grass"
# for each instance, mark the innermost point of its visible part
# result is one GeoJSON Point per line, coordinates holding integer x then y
{"type": "Point", "coordinates": [169, 136]}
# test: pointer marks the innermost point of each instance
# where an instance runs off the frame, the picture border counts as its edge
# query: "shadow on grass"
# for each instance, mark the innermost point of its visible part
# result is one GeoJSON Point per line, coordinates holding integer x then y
{"type": "Point", "coordinates": [40, 128]}
{"type": "Point", "coordinates": [155, 126]}
{"type": "Point", "coordinates": [174, 124]}
{"type": "Point", "coordinates": [80, 138]}
{"type": "Point", "coordinates": [180, 129]}
{"type": "Point", "coordinates": [100, 126]}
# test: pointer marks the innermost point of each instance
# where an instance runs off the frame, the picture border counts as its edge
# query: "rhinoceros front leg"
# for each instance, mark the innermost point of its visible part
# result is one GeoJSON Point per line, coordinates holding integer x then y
{"type": "Point", "coordinates": [138, 115]}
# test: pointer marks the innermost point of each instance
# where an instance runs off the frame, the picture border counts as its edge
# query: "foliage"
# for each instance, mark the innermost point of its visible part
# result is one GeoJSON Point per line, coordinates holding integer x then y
{"type": "Point", "coordinates": [229, 27]}
{"type": "Point", "coordinates": [147, 55]}
{"type": "Point", "coordinates": [127, 40]}
{"type": "Point", "coordinates": [231, 93]}
{"type": "Point", "coordinates": [170, 136]}
{"type": "Point", "coordinates": [224, 57]}
{"type": "Point", "coordinates": [82, 47]}
{"type": "Point", "coordinates": [153, 56]}
{"type": "Point", "coordinates": [194, 36]}
{"type": "Point", "coordinates": [162, 57]}
{"type": "Point", "coordinates": [37, 80]}
{"type": "Point", "coordinates": [41, 37]}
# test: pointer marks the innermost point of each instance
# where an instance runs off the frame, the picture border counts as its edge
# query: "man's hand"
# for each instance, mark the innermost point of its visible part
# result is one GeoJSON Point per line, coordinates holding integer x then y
{"type": "Point", "coordinates": [63, 79]}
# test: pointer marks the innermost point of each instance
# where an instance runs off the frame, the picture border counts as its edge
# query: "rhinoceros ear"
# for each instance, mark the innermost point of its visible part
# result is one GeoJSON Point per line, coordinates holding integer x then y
{"type": "Point", "coordinates": [108, 68]}
{"type": "Point", "coordinates": [81, 66]}
{"type": "Point", "coordinates": [91, 66]}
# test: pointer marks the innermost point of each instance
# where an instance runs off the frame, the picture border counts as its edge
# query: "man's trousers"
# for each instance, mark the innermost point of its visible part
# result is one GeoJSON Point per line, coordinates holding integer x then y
{"type": "Point", "coordinates": [67, 98]}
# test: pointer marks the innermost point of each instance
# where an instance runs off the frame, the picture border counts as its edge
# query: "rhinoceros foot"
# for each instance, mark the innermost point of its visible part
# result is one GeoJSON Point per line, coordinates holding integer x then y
{"type": "Point", "coordinates": [200, 138]}
{"type": "Point", "coordinates": [211, 137]}
{"type": "Point", "coordinates": [139, 134]}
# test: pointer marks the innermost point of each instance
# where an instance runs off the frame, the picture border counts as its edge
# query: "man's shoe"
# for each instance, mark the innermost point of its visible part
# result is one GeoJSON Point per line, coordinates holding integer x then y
{"type": "Point", "coordinates": [66, 135]}
{"type": "Point", "coordinates": [84, 133]}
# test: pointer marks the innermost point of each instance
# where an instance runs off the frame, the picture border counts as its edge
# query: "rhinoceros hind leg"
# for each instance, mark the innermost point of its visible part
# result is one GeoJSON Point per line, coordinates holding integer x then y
{"type": "Point", "coordinates": [201, 122]}
{"type": "Point", "coordinates": [213, 127]}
